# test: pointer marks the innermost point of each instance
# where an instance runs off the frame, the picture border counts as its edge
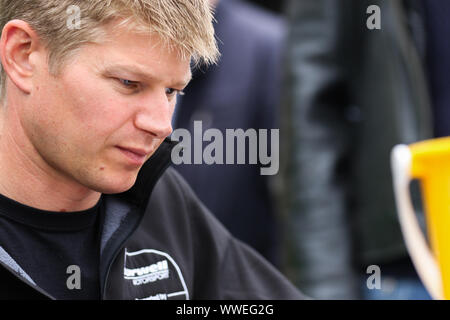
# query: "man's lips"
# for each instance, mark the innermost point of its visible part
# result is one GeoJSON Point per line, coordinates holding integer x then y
{"type": "Point", "coordinates": [135, 155]}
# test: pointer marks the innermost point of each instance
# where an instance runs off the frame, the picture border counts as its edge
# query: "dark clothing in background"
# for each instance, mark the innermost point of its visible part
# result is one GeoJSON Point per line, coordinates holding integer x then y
{"type": "Point", "coordinates": [46, 243]}
{"type": "Point", "coordinates": [437, 22]}
{"type": "Point", "coordinates": [270, 4]}
{"type": "Point", "coordinates": [242, 91]}
{"type": "Point", "coordinates": [353, 94]}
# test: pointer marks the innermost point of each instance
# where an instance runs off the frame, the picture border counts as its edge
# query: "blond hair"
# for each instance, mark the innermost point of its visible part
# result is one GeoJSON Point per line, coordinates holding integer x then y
{"type": "Point", "coordinates": [184, 24]}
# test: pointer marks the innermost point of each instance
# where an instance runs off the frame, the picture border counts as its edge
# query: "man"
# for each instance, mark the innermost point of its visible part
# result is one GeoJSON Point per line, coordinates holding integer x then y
{"type": "Point", "coordinates": [242, 91]}
{"type": "Point", "coordinates": [88, 207]}
{"type": "Point", "coordinates": [355, 91]}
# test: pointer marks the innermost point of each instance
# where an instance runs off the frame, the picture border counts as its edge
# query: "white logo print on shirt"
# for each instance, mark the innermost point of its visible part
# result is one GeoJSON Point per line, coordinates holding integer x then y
{"type": "Point", "coordinates": [154, 275]}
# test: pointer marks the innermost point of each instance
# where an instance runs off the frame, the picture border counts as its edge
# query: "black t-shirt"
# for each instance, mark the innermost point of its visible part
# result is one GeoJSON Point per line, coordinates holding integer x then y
{"type": "Point", "coordinates": [58, 250]}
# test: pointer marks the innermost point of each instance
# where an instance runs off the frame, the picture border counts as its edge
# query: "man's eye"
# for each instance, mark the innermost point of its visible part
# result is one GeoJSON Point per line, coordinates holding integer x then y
{"type": "Point", "coordinates": [129, 84]}
{"type": "Point", "coordinates": [171, 92]}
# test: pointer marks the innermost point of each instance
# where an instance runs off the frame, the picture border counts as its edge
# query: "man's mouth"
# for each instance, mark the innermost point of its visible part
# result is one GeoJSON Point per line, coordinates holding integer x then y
{"type": "Point", "coordinates": [135, 156]}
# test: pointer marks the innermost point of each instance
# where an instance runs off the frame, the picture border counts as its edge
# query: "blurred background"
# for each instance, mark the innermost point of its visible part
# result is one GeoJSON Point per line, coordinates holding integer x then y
{"type": "Point", "coordinates": [273, 5]}
{"type": "Point", "coordinates": [344, 81]}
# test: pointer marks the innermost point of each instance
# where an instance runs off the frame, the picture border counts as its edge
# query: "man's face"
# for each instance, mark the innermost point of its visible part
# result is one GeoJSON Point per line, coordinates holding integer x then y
{"type": "Point", "coordinates": [109, 110]}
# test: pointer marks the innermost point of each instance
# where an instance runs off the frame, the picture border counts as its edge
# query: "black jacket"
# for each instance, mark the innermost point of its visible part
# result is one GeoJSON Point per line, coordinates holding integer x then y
{"type": "Point", "coordinates": [159, 242]}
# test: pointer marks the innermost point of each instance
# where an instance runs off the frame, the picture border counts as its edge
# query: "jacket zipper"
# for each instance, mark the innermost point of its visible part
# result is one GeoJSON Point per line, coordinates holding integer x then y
{"type": "Point", "coordinates": [141, 209]}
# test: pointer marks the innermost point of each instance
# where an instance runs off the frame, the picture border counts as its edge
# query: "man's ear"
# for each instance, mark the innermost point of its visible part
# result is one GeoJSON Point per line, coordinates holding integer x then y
{"type": "Point", "coordinates": [17, 44]}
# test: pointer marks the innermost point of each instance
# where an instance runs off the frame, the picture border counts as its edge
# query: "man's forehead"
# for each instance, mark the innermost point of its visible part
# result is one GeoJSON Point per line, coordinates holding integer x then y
{"type": "Point", "coordinates": [147, 73]}
{"type": "Point", "coordinates": [145, 56]}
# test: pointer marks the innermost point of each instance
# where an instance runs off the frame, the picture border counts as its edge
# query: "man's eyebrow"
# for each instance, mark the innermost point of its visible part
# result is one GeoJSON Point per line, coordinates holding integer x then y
{"type": "Point", "coordinates": [137, 71]}
{"type": "Point", "coordinates": [185, 82]}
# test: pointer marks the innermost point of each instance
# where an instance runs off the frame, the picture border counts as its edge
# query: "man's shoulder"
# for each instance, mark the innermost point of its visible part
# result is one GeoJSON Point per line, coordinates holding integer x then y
{"type": "Point", "coordinates": [174, 201]}
{"type": "Point", "coordinates": [212, 261]}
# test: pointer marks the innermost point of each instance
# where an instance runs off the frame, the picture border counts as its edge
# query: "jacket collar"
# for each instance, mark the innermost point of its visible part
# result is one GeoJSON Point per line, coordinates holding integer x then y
{"type": "Point", "coordinates": [124, 212]}
{"type": "Point", "coordinates": [150, 172]}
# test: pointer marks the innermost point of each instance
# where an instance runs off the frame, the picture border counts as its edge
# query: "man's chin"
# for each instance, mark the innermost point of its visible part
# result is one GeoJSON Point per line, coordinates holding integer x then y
{"type": "Point", "coordinates": [114, 187]}
{"type": "Point", "coordinates": [114, 191]}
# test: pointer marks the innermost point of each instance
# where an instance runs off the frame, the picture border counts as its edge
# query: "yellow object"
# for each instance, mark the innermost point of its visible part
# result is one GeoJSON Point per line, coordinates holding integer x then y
{"type": "Point", "coordinates": [429, 162]}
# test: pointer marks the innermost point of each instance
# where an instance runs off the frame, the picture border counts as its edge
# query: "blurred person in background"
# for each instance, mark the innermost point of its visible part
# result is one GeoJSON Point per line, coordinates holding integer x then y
{"type": "Point", "coordinates": [242, 91]}
{"type": "Point", "coordinates": [353, 93]}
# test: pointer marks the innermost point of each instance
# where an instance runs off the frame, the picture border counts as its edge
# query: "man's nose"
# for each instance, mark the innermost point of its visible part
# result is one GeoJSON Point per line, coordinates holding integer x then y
{"type": "Point", "coordinates": [155, 116]}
